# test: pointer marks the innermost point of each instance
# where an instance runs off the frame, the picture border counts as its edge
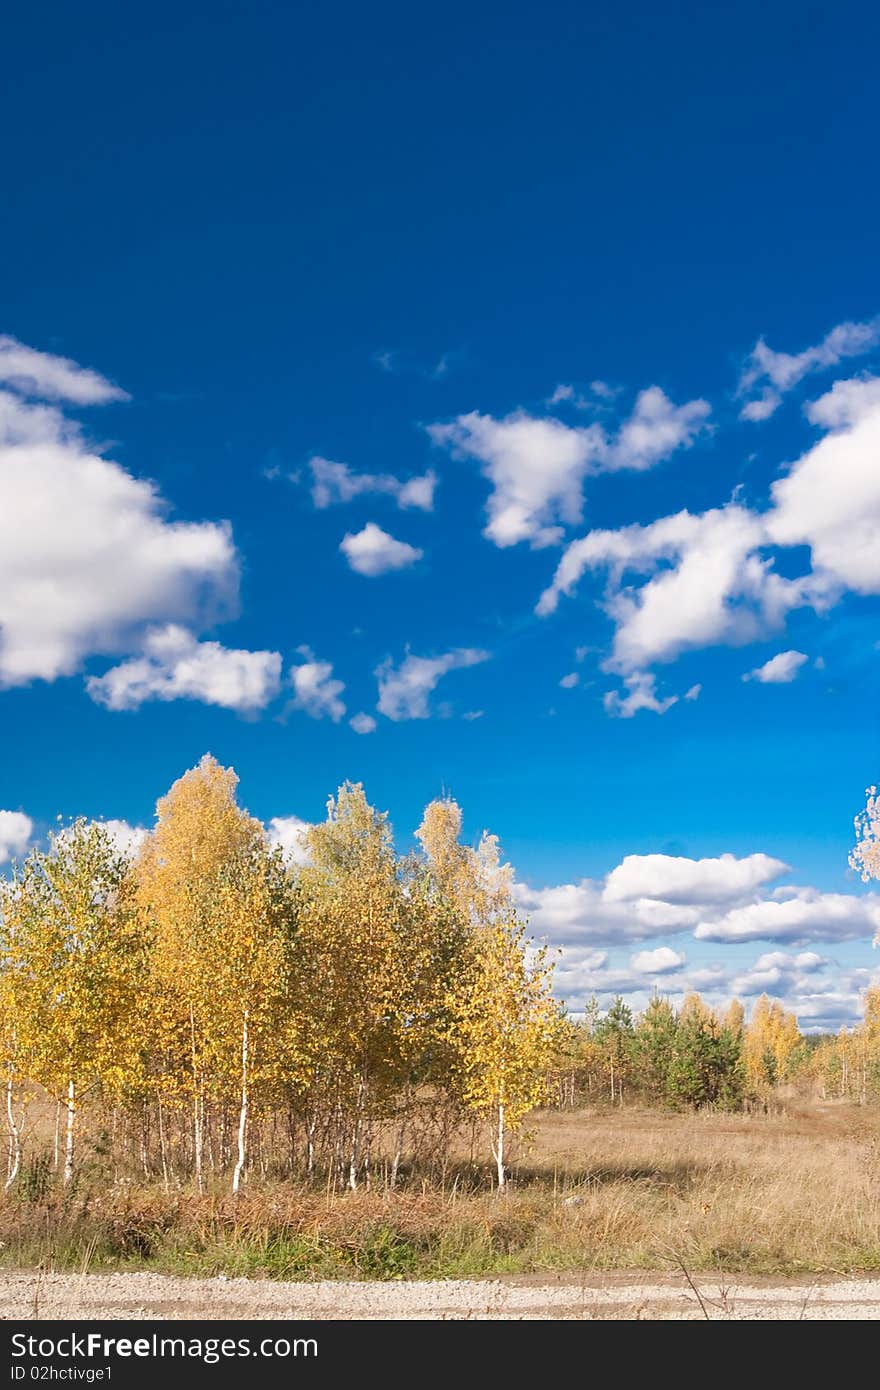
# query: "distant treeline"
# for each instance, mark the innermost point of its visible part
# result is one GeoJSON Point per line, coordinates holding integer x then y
{"type": "Point", "coordinates": [696, 1057]}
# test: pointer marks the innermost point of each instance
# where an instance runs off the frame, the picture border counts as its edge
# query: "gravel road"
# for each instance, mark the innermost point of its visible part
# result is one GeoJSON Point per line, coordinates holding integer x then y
{"type": "Point", "coordinates": [622, 1296]}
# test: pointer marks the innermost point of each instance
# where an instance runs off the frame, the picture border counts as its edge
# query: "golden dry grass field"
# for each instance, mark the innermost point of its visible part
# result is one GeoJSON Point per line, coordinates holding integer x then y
{"type": "Point", "coordinates": [784, 1194]}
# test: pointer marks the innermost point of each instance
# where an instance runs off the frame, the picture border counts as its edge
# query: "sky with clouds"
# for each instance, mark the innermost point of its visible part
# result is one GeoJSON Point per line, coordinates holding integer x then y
{"type": "Point", "coordinates": [483, 404]}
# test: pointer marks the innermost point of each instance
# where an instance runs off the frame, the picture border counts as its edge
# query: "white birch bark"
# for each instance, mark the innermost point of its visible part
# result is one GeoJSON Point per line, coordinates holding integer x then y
{"type": "Point", "coordinates": [14, 1138]}
{"type": "Point", "coordinates": [68, 1140]}
{"type": "Point", "coordinates": [243, 1112]}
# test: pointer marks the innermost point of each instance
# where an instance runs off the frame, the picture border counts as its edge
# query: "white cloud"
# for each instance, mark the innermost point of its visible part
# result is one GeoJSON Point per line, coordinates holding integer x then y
{"type": "Point", "coordinates": [598, 395]}
{"type": "Point", "coordinates": [641, 694]}
{"type": "Point", "coordinates": [88, 560]}
{"type": "Point", "coordinates": [709, 579]}
{"type": "Point", "coordinates": [334, 482]}
{"type": "Point", "coordinates": [722, 899]}
{"type": "Point", "coordinates": [127, 839]}
{"type": "Point", "coordinates": [694, 692]}
{"type": "Point", "coordinates": [560, 394]}
{"type": "Point", "coordinates": [689, 581]}
{"type": "Point", "coordinates": [536, 468]}
{"type": "Point", "coordinates": [845, 403]}
{"type": "Point", "coordinates": [537, 465]}
{"type": "Point", "coordinates": [657, 962]}
{"type": "Point", "coordinates": [16, 832]}
{"type": "Point", "coordinates": [772, 374]}
{"type": "Point", "coordinates": [655, 430]}
{"type": "Point", "coordinates": [779, 670]}
{"type": "Point", "coordinates": [808, 915]}
{"type": "Point", "coordinates": [363, 723]}
{"type": "Point", "coordinates": [48, 377]}
{"type": "Point", "coordinates": [676, 879]}
{"type": "Point", "coordinates": [570, 681]}
{"type": "Point", "coordinates": [830, 501]}
{"type": "Point", "coordinates": [290, 833]}
{"type": "Point", "coordinates": [779, 972]}
{"type": "Point", "coordinates": [404, 689]}
{"type": "Point", "coordinates": [175, 666]}
{"type": "Point", "coordinates": [572, 913]}
{"type": "Point", "coordinates": [316, 692]}
{"type": "Point", "coordinates": [707, 584]}
{"type": "Point", "coordinates": [373, 552]}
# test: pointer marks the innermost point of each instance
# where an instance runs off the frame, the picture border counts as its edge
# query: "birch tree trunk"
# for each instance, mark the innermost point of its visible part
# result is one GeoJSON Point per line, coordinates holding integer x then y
{"type": "Point", "coordinates": [243, 1112]}
{"type": "Point", "coordinates": [197, 1114]}
{"type": "Point", "coordinates": [162, 1149]}
{"type": "Point", "coordinates": [310, 1143]}
{"type": "Point", "coordinates": [398, 1153]}
{"type": "Point", "coordinates": [68, 1142]}
{"type": "Point", "coordinates": [14, 1139]}
{"type": "Point", "coordinates": [354, 1160]}
{"type": "Point", "coordinates": [499, 1148]}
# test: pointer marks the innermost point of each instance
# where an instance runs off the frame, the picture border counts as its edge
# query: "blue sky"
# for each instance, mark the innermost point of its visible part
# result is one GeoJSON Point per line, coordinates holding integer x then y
{"type": "Point", "coordinates": [525, 256]}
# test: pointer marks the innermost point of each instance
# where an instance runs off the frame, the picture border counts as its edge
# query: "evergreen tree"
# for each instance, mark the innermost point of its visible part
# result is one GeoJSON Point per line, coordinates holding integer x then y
{"type": "Point", "coordinates": [655, 1048]}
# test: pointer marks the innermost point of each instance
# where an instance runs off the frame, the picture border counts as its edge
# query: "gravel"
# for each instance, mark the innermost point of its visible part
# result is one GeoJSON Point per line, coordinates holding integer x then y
{"type": "Point", "coordinates": [621, 1296]}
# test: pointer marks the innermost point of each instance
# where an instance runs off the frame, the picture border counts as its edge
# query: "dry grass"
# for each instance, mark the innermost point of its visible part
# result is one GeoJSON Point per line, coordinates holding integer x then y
{"type": "Point", "coordinates": [778, 1194]}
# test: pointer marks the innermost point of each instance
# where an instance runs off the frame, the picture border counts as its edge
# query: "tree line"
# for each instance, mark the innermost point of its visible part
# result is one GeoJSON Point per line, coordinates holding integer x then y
{"type": "Point", "coordinates": [699, 1057]}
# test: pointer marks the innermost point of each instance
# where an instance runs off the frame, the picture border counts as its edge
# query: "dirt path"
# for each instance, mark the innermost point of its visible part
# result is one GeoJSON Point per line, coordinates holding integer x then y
{"type": "Point", "coordinates": [622, 1296]}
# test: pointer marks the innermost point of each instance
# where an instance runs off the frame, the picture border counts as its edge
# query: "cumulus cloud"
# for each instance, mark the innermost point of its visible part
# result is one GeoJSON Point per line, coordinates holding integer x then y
{"type": "Point", "coordinates": [176, 666]}
{"type": "Point", "coordinates": [537, 465]}
{"type": "Point", "coordinates": [334, 482]}
{"type": "Point", "coordinates": [570, 681]}
{"type": "Point", "coordinates": [768, 375]}
{"type": "Point", "coordinates": [16, 833]}
{"type": "Point", "coordinates": [845, 403]}
{"type": "Point", "coordinates": [290, 833]}
{"type": "Point", "coordinates": [655, 430]}
{"type": "Point", "coordinates": [657, 962]}
{"type": "Point", "coordinates": [316, 692]}
{"type": "Point", "coordinates": [806, 915]}
{"type": "Point", "coordinates": [536, 468]}
{"type": "Point", "coordinates": [707, 584]}
{"type": "Point", "coordinates": [777, 971]}
{"type": "Point", "coordinates": [42, 374]}
{"type": "Point", "coordinates": [363, 723]}
{"type": "Point", "coordinates": [676, 879]}
{"type": "Point", "coordinates": [127, 839]}
{"type": "Point", "coordinates": [404, 690]}
{"type": "Point", "coordinates": [830, 501]}
{"type": "Point", "coordinates": [723, 899]}
{"type": "Point", "coordinates": [571, 913]}
{"type": "Point", "coordinates": [781, 669]}
{"type": "Point", "coordinates": [689, 581]}
{"type": "Point", "coordinates": [373, 552]}
{"type": "Point", "coordinates": [89, 561]}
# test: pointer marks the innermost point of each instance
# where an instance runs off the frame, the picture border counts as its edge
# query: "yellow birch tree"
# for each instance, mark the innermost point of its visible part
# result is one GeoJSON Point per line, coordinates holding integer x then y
{"type": "Point", "coordinates": [77, 958]}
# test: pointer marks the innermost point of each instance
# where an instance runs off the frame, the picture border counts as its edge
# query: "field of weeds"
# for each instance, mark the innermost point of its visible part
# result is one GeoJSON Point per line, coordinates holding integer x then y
{"type": "Point", "coordinates": [767, 1194]}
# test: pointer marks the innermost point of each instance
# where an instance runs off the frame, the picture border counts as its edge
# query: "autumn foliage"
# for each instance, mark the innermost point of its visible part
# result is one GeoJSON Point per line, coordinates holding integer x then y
{"type": "Point", "coordinates": [208, 984]}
